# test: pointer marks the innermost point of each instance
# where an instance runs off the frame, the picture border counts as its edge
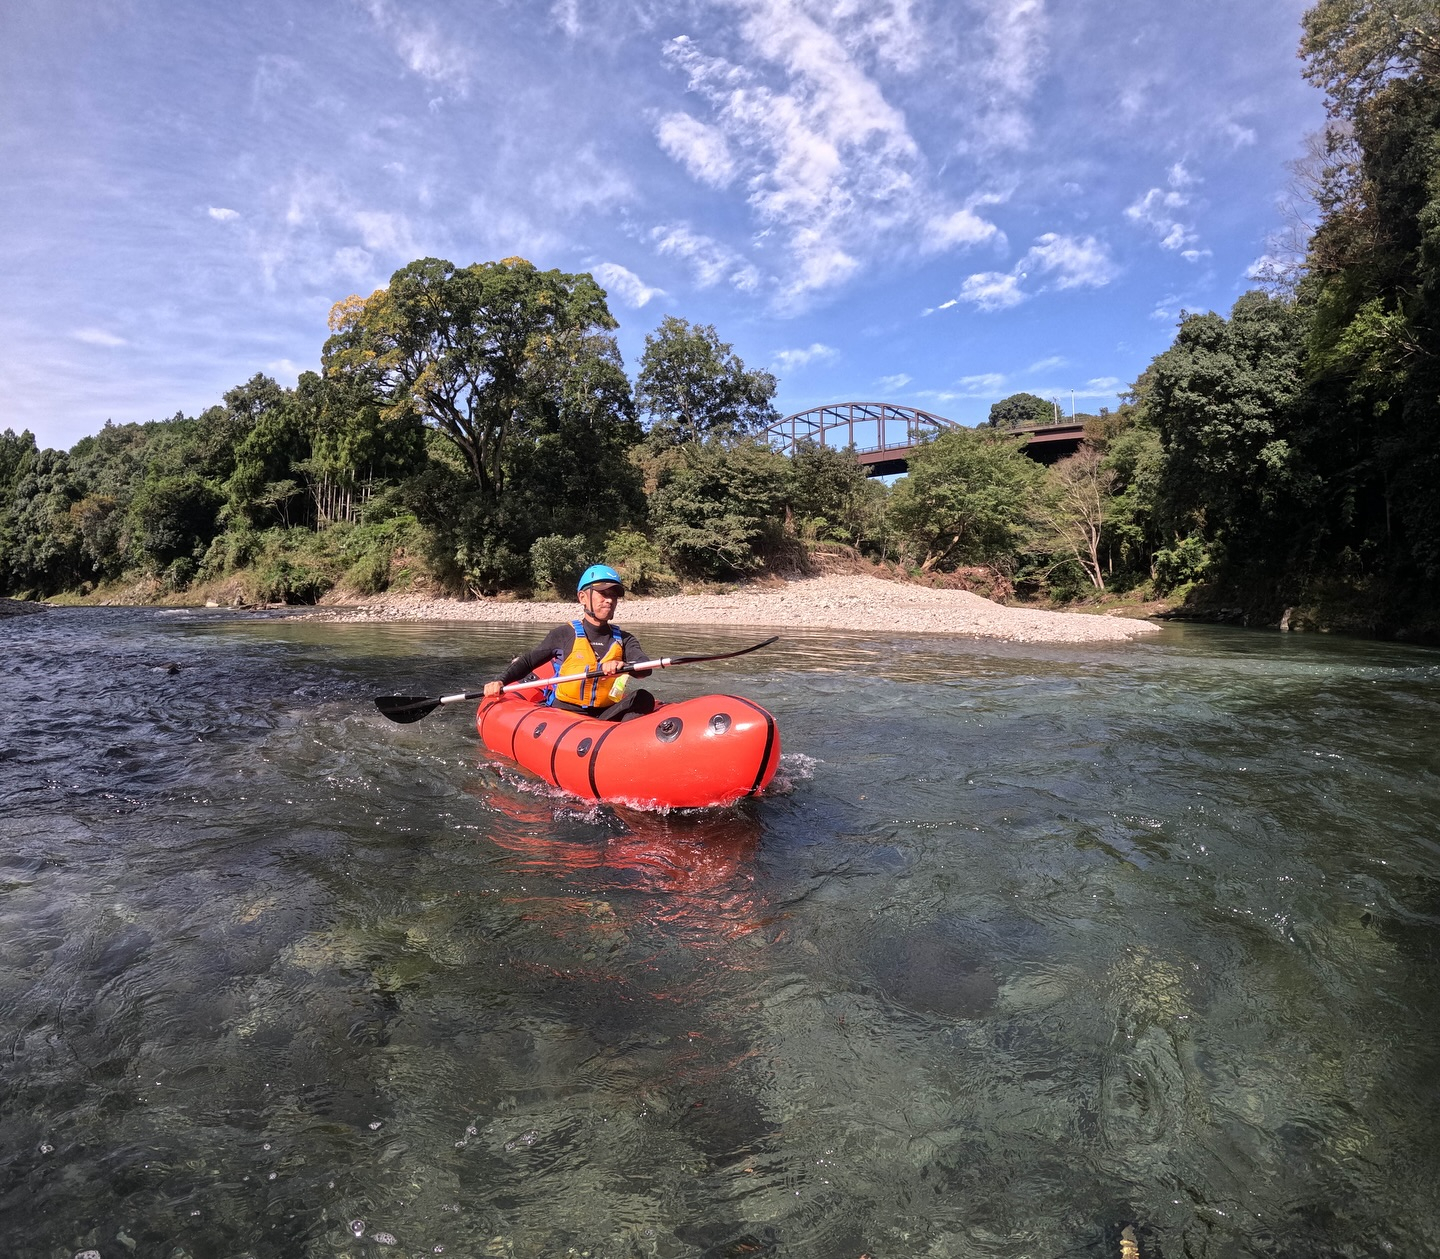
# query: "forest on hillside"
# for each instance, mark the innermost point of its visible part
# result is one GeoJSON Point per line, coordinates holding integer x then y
{"type": "Point", "coordinates": [473, 428]}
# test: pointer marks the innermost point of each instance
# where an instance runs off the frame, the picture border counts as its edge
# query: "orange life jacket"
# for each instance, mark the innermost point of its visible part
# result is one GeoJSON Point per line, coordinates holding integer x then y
{"type": "Point", "coordinates": [596, 692]}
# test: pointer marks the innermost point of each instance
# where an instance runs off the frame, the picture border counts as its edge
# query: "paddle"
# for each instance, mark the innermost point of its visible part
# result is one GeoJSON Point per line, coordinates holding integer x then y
{"type": "Point", "coordinates": [408, 708]}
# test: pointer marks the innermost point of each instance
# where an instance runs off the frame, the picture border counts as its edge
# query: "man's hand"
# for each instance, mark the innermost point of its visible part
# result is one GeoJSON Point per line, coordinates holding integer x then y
{"type": "Point", "coordinates": [492, 689]}
{"type": "Point", "coordinates": [609, 668]}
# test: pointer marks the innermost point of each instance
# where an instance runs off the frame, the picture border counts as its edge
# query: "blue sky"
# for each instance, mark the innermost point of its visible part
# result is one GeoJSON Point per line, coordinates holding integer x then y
{"type": "Point", "coordinates": [932, 203]}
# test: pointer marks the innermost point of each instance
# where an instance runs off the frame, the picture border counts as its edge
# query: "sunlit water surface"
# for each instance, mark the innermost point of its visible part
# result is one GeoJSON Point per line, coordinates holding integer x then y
{"type": "Point", "coordinates": [1028, 944]}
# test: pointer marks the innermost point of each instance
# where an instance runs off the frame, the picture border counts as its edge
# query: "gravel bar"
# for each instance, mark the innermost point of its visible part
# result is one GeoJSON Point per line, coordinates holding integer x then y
{"type": "Point", "coordinates": [833, 602]}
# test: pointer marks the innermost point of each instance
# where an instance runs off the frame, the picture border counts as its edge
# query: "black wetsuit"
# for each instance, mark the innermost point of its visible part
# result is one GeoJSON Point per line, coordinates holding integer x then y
{"type": "Point", "coordinates": [556, 646]}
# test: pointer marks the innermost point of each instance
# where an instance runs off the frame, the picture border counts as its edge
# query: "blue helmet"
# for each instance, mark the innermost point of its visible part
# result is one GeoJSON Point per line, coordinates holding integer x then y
{"type": "Point", "coordinates": [599, 574]}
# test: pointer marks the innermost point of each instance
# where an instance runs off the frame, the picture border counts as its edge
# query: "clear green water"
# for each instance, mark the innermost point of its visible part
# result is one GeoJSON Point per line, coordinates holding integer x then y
{"type": "Point", "coordinates": [1034, 942]}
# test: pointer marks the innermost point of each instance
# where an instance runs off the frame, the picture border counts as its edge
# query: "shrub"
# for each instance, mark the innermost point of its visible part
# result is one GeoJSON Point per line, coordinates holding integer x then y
{"type": "Point", "coordinates": [637, 560]}
{"type": "Point", "coordinates": [487, 564]}
{"type": "Point", "coordinates": [286, 578]}
{"type": "Point", "coordinates": [556, 562]}
{"type": "Point", "coordinates": [716, 508]}
{"type": "Point", "coordinates": [1185, 562]}
{"type": "Point", "coordinates": [173, 517]}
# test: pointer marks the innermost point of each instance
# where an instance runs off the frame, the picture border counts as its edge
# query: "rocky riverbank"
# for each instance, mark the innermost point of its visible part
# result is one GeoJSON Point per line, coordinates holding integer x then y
{"type": "Point", "coordinates": [834, 602]}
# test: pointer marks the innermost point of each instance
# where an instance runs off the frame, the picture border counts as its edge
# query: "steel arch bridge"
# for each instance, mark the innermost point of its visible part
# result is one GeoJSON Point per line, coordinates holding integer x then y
{"type": "Point", "coordinates": [882, 434]}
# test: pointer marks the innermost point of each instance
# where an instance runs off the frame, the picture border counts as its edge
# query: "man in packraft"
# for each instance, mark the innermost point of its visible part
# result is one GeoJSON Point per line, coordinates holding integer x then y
{"type": "Point", "coordinates": [590, 644]}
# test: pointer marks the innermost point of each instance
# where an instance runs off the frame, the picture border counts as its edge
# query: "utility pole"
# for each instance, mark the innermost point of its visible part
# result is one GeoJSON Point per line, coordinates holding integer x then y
{"type": "Point", "coordinates": [1072, 406]}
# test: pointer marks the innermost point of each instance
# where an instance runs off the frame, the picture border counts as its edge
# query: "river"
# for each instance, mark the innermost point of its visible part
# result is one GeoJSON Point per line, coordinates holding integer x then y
{"type": "Point", "coordinates": [1028, 944]}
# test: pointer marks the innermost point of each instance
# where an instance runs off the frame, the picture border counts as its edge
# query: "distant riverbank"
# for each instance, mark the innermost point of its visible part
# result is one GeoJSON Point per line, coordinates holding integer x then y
{"type": "Point", "coordinates": [849, 602]}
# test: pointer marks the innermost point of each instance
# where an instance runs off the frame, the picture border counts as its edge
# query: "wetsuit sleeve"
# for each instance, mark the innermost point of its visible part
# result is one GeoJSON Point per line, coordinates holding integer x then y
{"type": "Point", "coordinates": [559, 639]}
{"type": "Point", "coordinates": [630, 645]}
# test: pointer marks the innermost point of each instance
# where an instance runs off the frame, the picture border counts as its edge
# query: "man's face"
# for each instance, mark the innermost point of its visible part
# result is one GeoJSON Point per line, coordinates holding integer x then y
{"type": "Point", "coordinates": [600, 601]}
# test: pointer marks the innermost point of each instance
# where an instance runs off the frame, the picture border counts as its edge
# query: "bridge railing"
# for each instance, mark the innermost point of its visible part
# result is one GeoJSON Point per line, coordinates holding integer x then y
{"type": "Point", "coordinates": [814, 424]}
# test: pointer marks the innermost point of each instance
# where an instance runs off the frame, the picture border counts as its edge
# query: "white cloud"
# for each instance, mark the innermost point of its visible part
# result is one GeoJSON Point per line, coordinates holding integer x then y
{"type": "Point", "coordinates": [963, 227]}
{"type": "Point", "coordinates": [1061, 262]}
{"type": "Point", "coordinates": [790, 360]}
{"type": "Point", "coordinates": [1100, 386]}
{"type": "Point", "coordinates": [385, 232]}
{"type": "Point", "coordinates": [1159, 209]}
{"type": "Point", "coordinates": [283, 370]}
{"type": "Point", "coordinates": [1048, 364]}
{"type": "Point", "coordinates": [567, 16]}
{"type": "Point", "coordinates": [992, 290]}
{"type": "Point", "coordinates": [1008, 72]}
{"type": "Point", "coordinates": [1074, 262]}
{"type": "Point", "coordinates": [583, 182]}
{"type": "Point", "coordinates": [421, 46]}
{"type": "Point", "coordinates": [710, 261]}
{"type": "Point", "coordinates": [986, 383]}
{"type": "Point", "coordinates": [828, 162]}
{"type": "Point", "coordinates": [894, 383]}
{"type": "Point", "coordinates": [98, 336]}
{"type": "Point", "coordinates": [624, 284]}
{"type": "Point", "coordinates": [221, 215]}
{"type": "Point", "coordinates": [1239, 136]}
{"type": "Point", "coordinates": [318, 230]}
{"type": "Point", "coordinates": [352, 262]}
{"type": "Point", "coordinates": [700, 149]}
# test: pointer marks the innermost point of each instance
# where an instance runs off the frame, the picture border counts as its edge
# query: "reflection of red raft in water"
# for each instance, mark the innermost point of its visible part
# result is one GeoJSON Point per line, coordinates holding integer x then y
{"type": "Point", "coordinates": [696, 753]}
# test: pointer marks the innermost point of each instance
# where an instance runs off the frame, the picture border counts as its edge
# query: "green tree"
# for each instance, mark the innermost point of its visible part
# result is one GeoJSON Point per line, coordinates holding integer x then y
{"type": "Point", "coordinates": [41, 545]}
{"type": "Point", "coordinates": [473, 351]}
{"type": "Point", "coordinates": [694, 388]}
{"type": "Point", "coordinates": [1132, 455]}
{"type": "Point", "coordinates": [829, 493]}
{"type": "Point", "coordinates": [172, 521]}
{"type": "Point", "coordinates": [356, 443]}
{"type": "Point", "coordinates": [718, 508]}
{"type": "Point", "coordinates": [1021, 410]}
{"type": "Point", "coordinates": [573, 474]}
{"type": "Point", "coordinates": [967, 500]}
{"type": "Point", "coordinates": [1228, 401]}
{"type": "Point", "coordinates": [1353, 47]}
{"type": "Point", "coordinates": [272, 439]}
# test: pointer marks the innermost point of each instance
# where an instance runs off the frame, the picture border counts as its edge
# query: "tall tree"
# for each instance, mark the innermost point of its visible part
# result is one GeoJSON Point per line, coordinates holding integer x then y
{"type": "Point", "coordinates": [1077, 509]}
{"type": "Point", "coordinates": [1021, 410]}
{"type": "Point", "coordinates": [473, 351]}
{"type": "Point", "coordinates": [694, 387]}
{"type": "Point", "coordinates": [1227, 400]}
{"type": "Point", "coordinates": [967, 499]}
{"type": "Point", "coordinates": [1353, 47]}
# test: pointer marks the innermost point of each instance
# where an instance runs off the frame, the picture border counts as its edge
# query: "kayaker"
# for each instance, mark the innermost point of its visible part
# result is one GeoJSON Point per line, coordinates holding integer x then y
{"type": "Point", "coordinates": [583, 644]}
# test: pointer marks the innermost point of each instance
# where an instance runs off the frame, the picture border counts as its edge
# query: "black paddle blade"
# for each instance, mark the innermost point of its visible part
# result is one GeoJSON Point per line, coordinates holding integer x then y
{"type": "Point", "coordinates": [405, 708]}
{"type": "Point", "coordinates": [726, 655]}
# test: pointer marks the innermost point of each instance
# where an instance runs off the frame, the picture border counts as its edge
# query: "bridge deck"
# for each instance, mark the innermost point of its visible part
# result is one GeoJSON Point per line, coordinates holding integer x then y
{"type": "Point", "coordinates": [1047, 442]}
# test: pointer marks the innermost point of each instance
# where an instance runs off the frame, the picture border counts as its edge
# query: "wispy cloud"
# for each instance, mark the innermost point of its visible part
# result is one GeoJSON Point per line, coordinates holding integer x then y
{"type": "Point", "coordinates": [625, 284]}
{"type": "Point", "coordinates": [1159, 209]}
{"type": "Point", "coordinates": [962, 227]}
{"type": "Point", "coordinates": [1006, 72]}
{"type": "Point", "coordinates": [98, 336]}
{"type": "Point", "coordinates": [222, 215]}
{"type": "Point", "coordinates": [1056, 261]}
{"type": "Point", "coordinates": [710, 261]}
{"type": "Point", "coordinates": [1049, 364]}
{"type": "Point", "coordinates": [422, 47]}
{"type": "Point", "coordinates": [893, 383]}
{"type": "Point", "coordinates": [791, 360]}
{"type": "Point", "coordinates": [702, 150]}
{"type": "Point", "coordinates": [828, 162]}
{"type": "Point", "coordinates": [991, 290]}
{"type": "Point", "coordinates": [584, 182]}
